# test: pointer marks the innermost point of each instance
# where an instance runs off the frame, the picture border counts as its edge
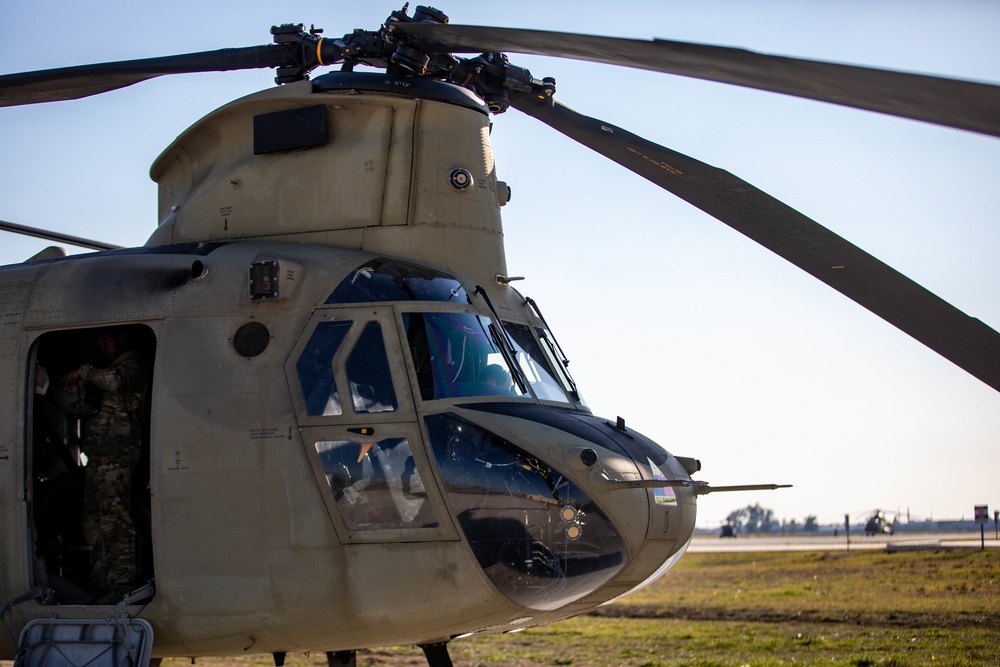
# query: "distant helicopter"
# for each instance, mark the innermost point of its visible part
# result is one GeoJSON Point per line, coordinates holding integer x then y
{"type": "Point", "coordinates": [358, 432]}
{"type": "Point", "coordinates": [878, 524]}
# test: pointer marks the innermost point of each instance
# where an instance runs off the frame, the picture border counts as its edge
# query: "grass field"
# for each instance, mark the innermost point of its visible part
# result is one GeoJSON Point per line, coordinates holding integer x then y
{"type": "Point", "coordinates": [862, 608]}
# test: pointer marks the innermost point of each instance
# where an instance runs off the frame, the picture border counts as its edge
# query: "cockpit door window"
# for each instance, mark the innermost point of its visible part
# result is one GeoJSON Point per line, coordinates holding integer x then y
{"type": "Point", "coordinates": [377, 483]}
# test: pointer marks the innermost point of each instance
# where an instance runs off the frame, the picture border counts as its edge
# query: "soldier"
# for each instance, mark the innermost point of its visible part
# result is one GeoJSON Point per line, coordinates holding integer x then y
{"type": "Point", "coordinates": [112, 441]}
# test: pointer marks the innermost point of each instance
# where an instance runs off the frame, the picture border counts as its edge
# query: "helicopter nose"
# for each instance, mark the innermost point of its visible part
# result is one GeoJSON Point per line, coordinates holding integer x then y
{"type": "Point", "coordinates": [537, 510]}
{"type": "Point", "coordinates": [632, 467]}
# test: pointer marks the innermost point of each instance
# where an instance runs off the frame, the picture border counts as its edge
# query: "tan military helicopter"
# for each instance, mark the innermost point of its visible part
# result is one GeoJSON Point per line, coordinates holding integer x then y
{"type": "Point", "coordinates": [358, 432]}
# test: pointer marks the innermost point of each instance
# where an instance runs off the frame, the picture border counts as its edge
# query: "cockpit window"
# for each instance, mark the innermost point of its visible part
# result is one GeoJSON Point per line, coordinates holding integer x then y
{"type": "Point", "coordinates": [369, 374]}
{"type": "Point", "coordinates": [392, 280]}
{"type": "Point", "coordinates": [538, 536]}
{"type": "Point", "coordinates": [457, 355]}
{"type": "Point", "coordinates": [367, 366]}
{"type": "Point", "coordinates": [315, 369]}
{"type": "Point", "coordinates": [375, 484]}
{"type": "Point", "coordinates": [558, 363]}
{"type": "Point", "coordinates": [534, 364]}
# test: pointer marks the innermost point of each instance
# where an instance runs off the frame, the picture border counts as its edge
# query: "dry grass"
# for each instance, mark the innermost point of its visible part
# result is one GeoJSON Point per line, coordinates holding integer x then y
{"type": "Point", "coordinates": [927, 588]}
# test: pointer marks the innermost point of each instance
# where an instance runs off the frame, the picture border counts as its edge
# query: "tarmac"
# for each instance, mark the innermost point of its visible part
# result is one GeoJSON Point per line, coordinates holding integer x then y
{"type": "Point", "coordinates": [803, 542]}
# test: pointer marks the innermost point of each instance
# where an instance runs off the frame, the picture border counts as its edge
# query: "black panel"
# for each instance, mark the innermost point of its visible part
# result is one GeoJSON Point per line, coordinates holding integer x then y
{"type": "Point", "coordinates": [583, 425]}
{"type": "Point", "coordinates": [288, 130]}
{"type": "Point", "coordinates": [406, 86]}
{"type": "Point", "coordinates": [264, 280]}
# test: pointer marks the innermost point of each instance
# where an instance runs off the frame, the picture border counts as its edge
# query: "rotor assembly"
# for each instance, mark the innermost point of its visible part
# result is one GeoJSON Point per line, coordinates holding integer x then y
{"type": "Point", "coordinates": [423, 47]}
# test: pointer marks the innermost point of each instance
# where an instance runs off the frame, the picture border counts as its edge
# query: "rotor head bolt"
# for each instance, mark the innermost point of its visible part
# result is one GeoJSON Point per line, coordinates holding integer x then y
{"type": "Point", "coordinates": [460, 178]}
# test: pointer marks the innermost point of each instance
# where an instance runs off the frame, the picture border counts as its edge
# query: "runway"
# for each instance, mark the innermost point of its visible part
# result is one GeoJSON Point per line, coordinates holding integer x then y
{"type": "Point", "coordinates": [803, 542]}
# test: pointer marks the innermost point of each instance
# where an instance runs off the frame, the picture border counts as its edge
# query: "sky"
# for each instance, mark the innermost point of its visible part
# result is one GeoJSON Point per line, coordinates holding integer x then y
{"type": "Point", "coordinates": [693, 334]}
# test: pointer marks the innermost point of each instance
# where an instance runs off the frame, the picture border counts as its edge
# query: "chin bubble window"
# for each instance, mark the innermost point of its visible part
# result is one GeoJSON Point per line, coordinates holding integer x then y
{"type": "Point", "coordinates": [541, 540]}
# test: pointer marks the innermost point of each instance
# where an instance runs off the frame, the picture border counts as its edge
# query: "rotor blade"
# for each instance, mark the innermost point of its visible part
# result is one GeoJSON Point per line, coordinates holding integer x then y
{"type": "Point", "coordinates": [70, 83]}
{"type": "Point", "coordinates": [55, 236]}
{"type": "Point", "coordinates": [878, 287]}
{"type": "Point", "coordinates": [961, 104]}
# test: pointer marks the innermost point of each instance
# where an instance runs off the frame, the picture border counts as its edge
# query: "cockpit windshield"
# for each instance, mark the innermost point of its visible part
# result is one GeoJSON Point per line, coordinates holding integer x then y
{"type": "Point", "coordinates": [458, 355]}
{"type": "Point", "coordinates": [535, 364]}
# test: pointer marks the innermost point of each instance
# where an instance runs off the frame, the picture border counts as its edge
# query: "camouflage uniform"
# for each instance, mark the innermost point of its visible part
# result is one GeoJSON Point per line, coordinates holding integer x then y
{"type": "Point", "coordinates": [112, 440]}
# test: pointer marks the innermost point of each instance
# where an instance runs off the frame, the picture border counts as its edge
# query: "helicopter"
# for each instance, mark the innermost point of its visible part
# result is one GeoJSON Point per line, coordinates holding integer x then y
{"type": "Point", "coordinates": [878, 524]}
{"type": "Point", "coordinates": [730, 323]}
{"type": "Point", "coordinates": [407, 325]}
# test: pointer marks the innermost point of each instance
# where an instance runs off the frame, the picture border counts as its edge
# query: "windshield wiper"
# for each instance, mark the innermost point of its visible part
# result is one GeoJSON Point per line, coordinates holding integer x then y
{"type": "Point", "coordinates": [502, 340]}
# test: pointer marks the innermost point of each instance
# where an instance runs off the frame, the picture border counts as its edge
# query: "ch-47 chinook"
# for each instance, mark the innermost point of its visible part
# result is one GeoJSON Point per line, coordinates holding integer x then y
{"type": "Point", "coordinates": [358, 433]}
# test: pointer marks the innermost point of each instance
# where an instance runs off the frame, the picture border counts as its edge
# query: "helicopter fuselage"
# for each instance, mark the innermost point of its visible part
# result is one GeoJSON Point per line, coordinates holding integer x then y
{"type": "Point", "coordinates": [357, 432]}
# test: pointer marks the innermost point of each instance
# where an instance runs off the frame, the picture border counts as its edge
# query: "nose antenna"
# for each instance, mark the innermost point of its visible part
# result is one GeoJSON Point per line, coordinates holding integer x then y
{"type": "Point", "coordinates": [700, 488]}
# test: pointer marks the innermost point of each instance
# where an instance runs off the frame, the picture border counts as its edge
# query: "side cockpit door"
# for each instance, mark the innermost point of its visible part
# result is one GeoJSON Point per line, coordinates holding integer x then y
{"type": "Point", "coordinates": [356, 414]}
{"type": "Point", "coordinates": [87, 474]}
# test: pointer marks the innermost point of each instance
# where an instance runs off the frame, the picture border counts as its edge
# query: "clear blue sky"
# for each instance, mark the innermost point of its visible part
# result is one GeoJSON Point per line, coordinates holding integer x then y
{"type": "Point", "coordinates": [693, 334]}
